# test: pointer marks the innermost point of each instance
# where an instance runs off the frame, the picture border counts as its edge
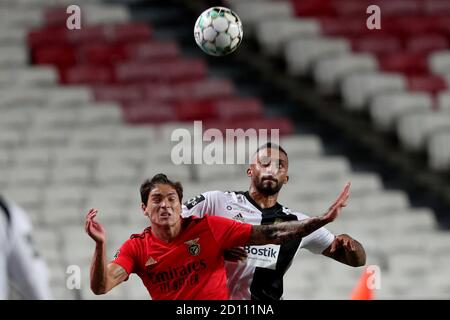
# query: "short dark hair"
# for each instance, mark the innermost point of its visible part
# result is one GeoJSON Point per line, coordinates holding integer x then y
{"type": "Point", "coordinates": [271, 145]}
{"type": "Point", "coordinates": [148, 185]}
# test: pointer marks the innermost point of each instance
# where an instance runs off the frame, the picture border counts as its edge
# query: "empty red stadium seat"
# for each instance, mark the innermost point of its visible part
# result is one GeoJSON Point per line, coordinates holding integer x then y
{"type": "Point", "coordinates": [426, 43]}
{"type": "Point", "coordinates": [47, 36]}
{"type": "Point", "coordinates": [236, 108]}
{"type": "Point", "coordinates": [101, 53]}
{"type": "Point", "coordinates": [197, 89]}
{"type": "Point", "coordinates": [167, 70]}
{"type": "Point", "coordinates": [376, 44]}
{"type": "Point", "coordinates": [232, 108]}
{"type": "Point", "coordinates": [428, 83]}
{"type": "Point", "coordinates": [152, 50]}
{"type": "Point", "coordinates": [195, 110]}
{"type": "Point", "coordinates": [60, 56]}
{"type": "Point", "coordinates": [349, 27]}
{"type": "Point", "coordinates": [55, 17]}
{"type": "Point", "coordinates": [284, 125]}
{"type": "Point", "coordinates": [88, 74]}
{"type": "Point", "coordinates": [436, 7]}
{"type": "Point", "coordinates": [312, 7]}
{"type": "Point", "coordinates": [405, 62]}
{"type": "Point", "coordinates": [129, 32]}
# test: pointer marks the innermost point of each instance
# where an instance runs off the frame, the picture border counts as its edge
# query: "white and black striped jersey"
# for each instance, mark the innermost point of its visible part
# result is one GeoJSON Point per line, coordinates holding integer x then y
{"type": "Point", "coordinates": [20, 265]}
{"type": "Point", "coordinates": [261, 276]}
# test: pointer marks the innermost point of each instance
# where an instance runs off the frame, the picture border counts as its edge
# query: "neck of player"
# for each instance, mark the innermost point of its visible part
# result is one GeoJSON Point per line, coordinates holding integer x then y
{"type": "Point", "coordinates": [167, 233]}
{"type": "Point", "coordinates": [264, 201]}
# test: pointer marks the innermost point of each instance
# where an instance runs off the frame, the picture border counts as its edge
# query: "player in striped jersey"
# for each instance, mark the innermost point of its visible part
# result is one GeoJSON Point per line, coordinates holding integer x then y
{"type": "Point", "coordinates": [261, 276]}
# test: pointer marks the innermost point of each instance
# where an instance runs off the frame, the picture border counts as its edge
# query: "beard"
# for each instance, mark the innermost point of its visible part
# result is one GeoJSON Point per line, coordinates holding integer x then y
{"type": "Point", "coordinates": [268, 189]}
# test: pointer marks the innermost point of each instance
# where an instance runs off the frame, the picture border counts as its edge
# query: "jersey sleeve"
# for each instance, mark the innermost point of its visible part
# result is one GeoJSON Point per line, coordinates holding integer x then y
{"type": "Point", "coordinates": [126, 256]}
{"type": "Point", "coordinates": [205, 203]}
{"type": "Point", "coordinates": [229, 233]}
{"type": "Point", "coordinates": [317, 241]}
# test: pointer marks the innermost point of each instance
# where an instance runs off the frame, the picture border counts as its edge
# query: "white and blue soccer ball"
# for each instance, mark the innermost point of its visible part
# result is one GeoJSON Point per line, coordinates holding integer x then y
{"type": "Point", "coordinates": [218, 31]}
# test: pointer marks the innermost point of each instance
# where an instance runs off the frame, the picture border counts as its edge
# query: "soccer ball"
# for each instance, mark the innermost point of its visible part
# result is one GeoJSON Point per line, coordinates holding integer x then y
{"type": "Point", "coordinates": [218, 31]}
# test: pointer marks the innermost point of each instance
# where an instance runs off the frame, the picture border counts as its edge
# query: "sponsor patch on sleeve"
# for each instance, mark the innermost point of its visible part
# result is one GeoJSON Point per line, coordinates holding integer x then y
{"type": "Point", "coordinates": [194, 201]}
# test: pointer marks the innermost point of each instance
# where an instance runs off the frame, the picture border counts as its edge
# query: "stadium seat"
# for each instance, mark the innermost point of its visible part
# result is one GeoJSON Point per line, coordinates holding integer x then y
{"type": "Point", "coordinates": [439, 62]}
{"type": "Point", "coordinates": [272, 34]}
{"type": "Point", "coordinates": [32, 157]}
{"type": "Point", "coordinates": [386, 108]}
{"type": "Point", "coordinates": [59, 97]}
{"type": "Point", "coordinates": [28, 77]}
{"type": "Point", "coordinates": [303, 145]}
{"type": "Point", "coordinates": [438, 148]}
{"type": "Point", "coordinates": [404, 62]}
{"type": "Point", "coordinates": [87, 74]}
{"type": "Point", "coordinates": [330, 70]}
{"type": "Point", "coordinates": [376, 44]}
{"type": "Point", "coordinates": [124, 94]}
{"type": "Point", "coordinates": [358, 89]}
{"type": "Point", "coordinates": [12, 55]}
{"type": "Point", "coordinates": [149, 112]}
{"type": "Point", "coordinates": [99, 114]}
{"type": "Point", "coordinates": [414, 129]}
{"type": "Point", "coordinates": [12, 36]}
{"type": "Point", "coordinates": [76, 175]}
{"type": "Point", "coordinates": [426, 43]}
{"type": "Point", "coordinates": [251, 12]}
{"type": "Point", "coordinates": [430, 83]}
{"type": "Point", "coordinates": [301, 54]}
{"type": "Point", "coordinates": [152, 50]}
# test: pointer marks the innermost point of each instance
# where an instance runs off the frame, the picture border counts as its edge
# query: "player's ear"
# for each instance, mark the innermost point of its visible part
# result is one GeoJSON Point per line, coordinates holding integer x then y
{"type": "Point", "coordinates": [286, 180]}
{"type": "Point", "coordinates": [144, 209]}
{"type": "Point", "coordinates": [249, 171]}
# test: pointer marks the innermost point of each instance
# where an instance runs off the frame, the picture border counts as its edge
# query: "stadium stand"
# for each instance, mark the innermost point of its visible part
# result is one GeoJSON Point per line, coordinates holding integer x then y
{"type": "Point", "coordinates": [87, 115]}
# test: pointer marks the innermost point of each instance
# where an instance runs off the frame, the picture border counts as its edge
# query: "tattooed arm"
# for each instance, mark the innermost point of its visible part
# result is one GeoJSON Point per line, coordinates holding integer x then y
{"type": "Point", "coordinates": [287, 231]}
{"type": "Point", "coordinates": [103, 277]}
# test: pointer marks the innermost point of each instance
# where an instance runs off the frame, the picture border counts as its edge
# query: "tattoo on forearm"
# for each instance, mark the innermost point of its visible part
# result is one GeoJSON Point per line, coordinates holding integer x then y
{"type": "Point", "coordinates": [285, 231]}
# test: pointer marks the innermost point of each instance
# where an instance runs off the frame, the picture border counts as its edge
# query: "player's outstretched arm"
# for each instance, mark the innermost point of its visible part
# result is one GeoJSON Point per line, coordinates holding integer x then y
{"type": "Point", "coordinates": [103, 277]}
{"type": "Point", "coordinates": [287, 231]}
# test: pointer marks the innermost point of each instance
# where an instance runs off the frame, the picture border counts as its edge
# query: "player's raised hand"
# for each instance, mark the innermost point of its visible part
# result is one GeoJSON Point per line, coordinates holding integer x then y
{"type": "Point", "coordinates": [337, 206]}
{"type": "Point", "coordinates": [94, 229]}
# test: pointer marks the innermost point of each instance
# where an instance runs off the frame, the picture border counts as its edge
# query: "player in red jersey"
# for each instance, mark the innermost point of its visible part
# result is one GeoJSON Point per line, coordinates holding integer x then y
{"type": "Point", "coordinates": [182, 258]}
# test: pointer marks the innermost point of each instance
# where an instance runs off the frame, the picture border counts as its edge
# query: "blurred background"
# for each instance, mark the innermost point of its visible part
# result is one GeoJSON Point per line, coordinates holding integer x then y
{"type": "Point", "coordinates": [86, 115]}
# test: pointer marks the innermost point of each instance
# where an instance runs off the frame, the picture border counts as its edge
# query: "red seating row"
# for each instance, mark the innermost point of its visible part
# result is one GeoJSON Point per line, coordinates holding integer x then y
{"type": "Point", "coordinates": [213, 109]}
{"type": "Point", "coordinates": [118, 33]}
{"type": "Point", "coordinates": [396, 8]}
{"type": "Point", "coordinates": [105, 53]}
{"type": "Point", "coordinates": [207, 88]}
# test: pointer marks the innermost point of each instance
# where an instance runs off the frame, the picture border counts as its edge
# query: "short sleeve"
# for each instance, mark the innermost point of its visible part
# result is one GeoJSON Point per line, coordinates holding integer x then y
{"type": "Point", "coordinates": [205, 203]}
{"type": "Point", "coordinates": [126, 256]}
{"type": "Point", "coordinates": [317, 241]}
{"type": "Point", "coordinates": [229, 233]}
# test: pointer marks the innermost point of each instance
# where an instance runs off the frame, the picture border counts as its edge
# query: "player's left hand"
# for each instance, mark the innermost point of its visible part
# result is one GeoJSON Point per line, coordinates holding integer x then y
{"type": "Point", "coordinates": [336, 208]}
{"type": "Point", "coordinates": [343, 241]}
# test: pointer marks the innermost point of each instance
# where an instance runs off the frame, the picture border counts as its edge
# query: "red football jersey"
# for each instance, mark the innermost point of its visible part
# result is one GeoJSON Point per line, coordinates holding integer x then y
{"type": "Point", "coordinates": [190, 267]}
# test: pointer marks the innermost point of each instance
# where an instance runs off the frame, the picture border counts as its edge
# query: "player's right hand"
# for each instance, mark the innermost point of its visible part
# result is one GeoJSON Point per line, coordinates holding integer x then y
{"type": "Point", "coordinates": [94, 229]}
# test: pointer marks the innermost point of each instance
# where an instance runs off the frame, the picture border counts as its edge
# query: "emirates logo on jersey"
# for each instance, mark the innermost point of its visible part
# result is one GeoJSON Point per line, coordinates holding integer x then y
{"type": "Point", "coordinates": [193, 247]}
